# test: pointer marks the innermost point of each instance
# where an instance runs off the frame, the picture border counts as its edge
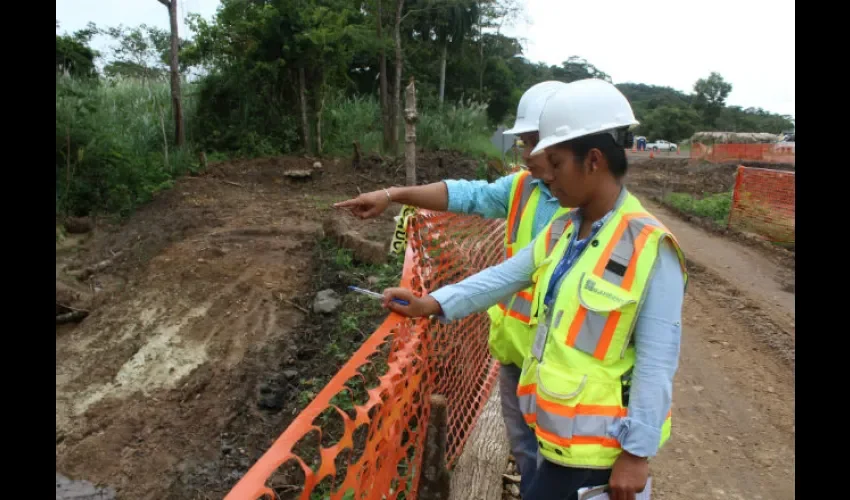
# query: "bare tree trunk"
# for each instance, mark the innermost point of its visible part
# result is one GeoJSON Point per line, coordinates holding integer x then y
{"type": "Point", "coordinates": [302, 93]}
{"type": "Point", "coordinates": [410, 118]}
{"type": "Point", "coordinates": [398, 67]}
{"type": "Point", "coordinates": [320, 106]}
{"type": "Point", "coordinates": [480, 55]}
{"type": "Point", "coordinates": [176, 101]}
{"type": "Point", "coordinates": [443, 69]}
{"type": "Point", "coordinates": [383, 94]}
{"type": "Point", "coordinates": [435, 480]}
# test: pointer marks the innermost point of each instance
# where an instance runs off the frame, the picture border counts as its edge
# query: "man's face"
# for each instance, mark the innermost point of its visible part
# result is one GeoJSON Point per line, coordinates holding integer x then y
{"type": "Point", "coordinates": [538, 165]}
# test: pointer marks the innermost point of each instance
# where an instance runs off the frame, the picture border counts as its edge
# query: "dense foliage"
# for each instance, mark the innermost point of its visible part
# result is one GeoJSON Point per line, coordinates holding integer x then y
{"type": "Point", "coordinates": [281, 76]}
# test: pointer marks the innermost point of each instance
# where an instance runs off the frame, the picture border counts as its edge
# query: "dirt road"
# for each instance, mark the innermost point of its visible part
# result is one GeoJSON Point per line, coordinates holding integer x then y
{"type": "Point", "coordinates": [157, 390]}
{"type": "Point", "coordinates": [733, 406]}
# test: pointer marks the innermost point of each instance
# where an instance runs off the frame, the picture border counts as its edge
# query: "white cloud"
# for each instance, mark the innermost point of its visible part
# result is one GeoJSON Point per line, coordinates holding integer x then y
{"type": "Point", "coordinates": [674, 43]}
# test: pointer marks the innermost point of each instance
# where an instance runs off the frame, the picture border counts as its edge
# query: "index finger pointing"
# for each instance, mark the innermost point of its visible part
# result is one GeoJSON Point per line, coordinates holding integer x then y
{"type": "Point", "coordinates": [346, 203]}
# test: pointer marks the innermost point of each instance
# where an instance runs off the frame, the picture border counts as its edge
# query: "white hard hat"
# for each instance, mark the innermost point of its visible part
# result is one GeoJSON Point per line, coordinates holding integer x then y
{"type": "Point", "coordinates": [583, 107]}
{"type": "Point", "coordinates": [530, 105]}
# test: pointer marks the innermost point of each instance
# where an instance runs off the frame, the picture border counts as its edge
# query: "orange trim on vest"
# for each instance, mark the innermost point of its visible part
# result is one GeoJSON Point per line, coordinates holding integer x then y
{"type": "Point", "coordinates": [578, 320]}
{"type": "Point", "coordinates": [514, 213]}
{"type": "Point", "coordinates": [525, 390]}
{"type": "Point", "coordinates": [580, 409]}
{"type": "Point", "coordinates": [628, 281]}
{"type": "Point", "coordinates": [607, 442]}
{"type": "Point", "coordinates": [519, 316]}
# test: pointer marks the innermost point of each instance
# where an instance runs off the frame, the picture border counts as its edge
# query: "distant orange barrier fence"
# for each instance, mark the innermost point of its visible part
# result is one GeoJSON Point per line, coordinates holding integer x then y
{"type": "Point", "coordinates": [362, 436]}
{"type": "Point", "coordinates": [719, 153]}
{"type": "Point", "coordinates": [763, 203]}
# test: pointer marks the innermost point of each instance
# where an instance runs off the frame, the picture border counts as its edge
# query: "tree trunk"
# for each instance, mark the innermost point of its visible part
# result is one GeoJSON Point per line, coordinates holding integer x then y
{"type": "Point", "coordinates": [435, 480]}
{"type": "Point", "coordinates": [478, 471]}
{"type": "Point", "coordinates": [443, 68]}
{"type": "Point", "coordinates": [398, 67]}
{"type": "Point", "coordinates": [383, 93]}
{"type": "Point", "coordinates": [320, 106]}
{"type": "Point", "coordinates": [410, 133]}
{"type": "Point", "coordinates": [302, 93]}
{"type": "Point", "coordinates": [176, 101]}
{"type": "Point", "coordinates": [480, 55]}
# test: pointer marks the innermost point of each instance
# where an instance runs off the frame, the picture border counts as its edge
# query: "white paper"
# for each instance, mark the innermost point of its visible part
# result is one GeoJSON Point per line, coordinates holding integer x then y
{"type": "Point", "coordinates": [601, 492]}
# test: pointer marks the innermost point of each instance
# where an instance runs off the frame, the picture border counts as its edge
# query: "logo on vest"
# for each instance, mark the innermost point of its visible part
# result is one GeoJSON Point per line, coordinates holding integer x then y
{"type": "Point", "coordinates": [590, 286]}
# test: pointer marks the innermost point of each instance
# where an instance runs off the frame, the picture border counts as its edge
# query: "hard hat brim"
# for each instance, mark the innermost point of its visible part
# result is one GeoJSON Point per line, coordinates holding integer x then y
{"type": "Point", "coordinates": [545, 143]}
{"type": "Point", "coordinates": [520, 128]}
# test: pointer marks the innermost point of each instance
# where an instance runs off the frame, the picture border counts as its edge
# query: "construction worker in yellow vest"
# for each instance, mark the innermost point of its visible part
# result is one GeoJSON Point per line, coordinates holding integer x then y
{"type": "Point", "coordinates": [525, 201]}
{"type": "Point", "coordinates": [609, 285]}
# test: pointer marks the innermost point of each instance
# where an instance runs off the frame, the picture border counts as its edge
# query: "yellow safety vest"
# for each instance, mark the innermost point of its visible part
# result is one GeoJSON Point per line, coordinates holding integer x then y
{"type": "Point", "coordinates": [571, 387]}
{"type": "Point", "coordinates": [511, 322]}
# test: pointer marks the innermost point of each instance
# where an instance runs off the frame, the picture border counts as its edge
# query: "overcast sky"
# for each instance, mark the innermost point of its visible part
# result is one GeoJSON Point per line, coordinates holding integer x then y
{"type": "Point", "coordinates": [660, 42]}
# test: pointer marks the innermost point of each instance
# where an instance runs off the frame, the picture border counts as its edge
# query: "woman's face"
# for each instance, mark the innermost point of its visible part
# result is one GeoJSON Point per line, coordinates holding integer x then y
{"type": "Point", "coordinates": [538, 165]}
{"type": "Point", "coordinates": [572, 180]}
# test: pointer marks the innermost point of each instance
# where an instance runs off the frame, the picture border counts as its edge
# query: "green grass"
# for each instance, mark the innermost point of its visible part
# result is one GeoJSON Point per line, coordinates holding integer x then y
{"type": "Point", "coordinates": [111, 137]}
{"type": "Point", "coordinates": [110, 144]}
{"type": "Point", "coordinates": [352, 323]}
{"type": "Point", "coordinates": [715, 206]}
{"type": "Point", "coordinates": [460, 127]}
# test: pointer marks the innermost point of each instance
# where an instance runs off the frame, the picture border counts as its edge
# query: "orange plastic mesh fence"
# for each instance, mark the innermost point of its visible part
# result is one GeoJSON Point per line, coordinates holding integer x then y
{"type": "Point", "coordinates": [719, 153]}
{"type": "Point", "coordinates": [763, 203]}
{"type": "Point", "coordinates": [362, 436]}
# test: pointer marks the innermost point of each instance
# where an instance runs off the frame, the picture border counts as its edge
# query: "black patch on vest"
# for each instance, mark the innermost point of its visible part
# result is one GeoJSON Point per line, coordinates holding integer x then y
{"type": "Point", "coordinates": [626, 381]}
{"type": "Point", "coordinates": [616, 268]}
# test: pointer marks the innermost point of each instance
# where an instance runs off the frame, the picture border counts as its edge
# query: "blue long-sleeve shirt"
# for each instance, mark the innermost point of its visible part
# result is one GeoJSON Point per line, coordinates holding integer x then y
{"type": "Point", "coordinates": [490, 200]}
{"type": "Point", "coordinates": [657, 332]}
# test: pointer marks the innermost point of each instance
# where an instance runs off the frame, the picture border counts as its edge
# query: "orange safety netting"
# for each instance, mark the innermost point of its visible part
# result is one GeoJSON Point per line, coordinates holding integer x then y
{"type": "Point", "coordinates": [763, 203]}
{"type": "Point", "coordinates": [718, 153]}
{"type": "Point", "coordinates": [362, 436]}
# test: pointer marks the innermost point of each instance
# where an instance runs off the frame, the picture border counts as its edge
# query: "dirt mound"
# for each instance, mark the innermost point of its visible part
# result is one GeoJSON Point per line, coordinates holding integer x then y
{"type": "Point", "coordinates": [674, 175]}
{"type": "Point", "coordinates": [660, 176]}
{"type": "Point", "coordinates": [197, 307]}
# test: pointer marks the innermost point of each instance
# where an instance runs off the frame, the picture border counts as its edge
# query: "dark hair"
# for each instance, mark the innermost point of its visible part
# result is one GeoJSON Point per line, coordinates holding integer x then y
{"type": "Point", "coordinates": [604, 142]}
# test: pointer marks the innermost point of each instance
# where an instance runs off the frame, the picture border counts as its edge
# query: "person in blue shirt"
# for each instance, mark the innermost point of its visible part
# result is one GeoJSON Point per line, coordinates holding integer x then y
{"type": "Point", "coordinates": [490, 200]}
{"type": "Point", "coordinates": [583, 134]}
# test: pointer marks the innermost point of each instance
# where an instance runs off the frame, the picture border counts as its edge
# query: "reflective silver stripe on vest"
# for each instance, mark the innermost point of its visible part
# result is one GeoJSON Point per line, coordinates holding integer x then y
{"type": "Point", "coordinates": [527, 189]}
{"type": "Point", "coordinates": [579, 425]}
{"type": "Point", "coordinates": [594, 322]}
{"type": "Point", "coordinates": [528, 403]}
{"type": "Point", "coordinates": [625, 248]}
{"type": "Point", "coordinates": [522, 306]}
{"type": "Point", "coordinates": [558, 227]}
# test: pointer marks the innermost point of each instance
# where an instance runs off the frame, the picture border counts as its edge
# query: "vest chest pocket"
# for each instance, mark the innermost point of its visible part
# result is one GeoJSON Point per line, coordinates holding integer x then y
{"type": "Point", "coordinates": [572, 404]}
{"type": "Point", "coordinates": [602, 303]}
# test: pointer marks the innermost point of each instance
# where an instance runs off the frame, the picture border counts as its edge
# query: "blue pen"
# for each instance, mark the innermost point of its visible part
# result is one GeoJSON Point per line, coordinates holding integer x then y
{"type": "Point", "coordinates": [376, 295]}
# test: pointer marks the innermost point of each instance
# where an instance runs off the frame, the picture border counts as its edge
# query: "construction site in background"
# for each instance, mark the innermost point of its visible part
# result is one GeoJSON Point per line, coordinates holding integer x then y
{"type": "Point", "coordinates": [206, 369]}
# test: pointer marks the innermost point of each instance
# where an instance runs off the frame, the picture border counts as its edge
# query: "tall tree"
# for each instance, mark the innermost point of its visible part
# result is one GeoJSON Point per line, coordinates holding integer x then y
{"type": "Point", "coordinates": [710, 97]}
{"type": "Point", "coordinates": [453, 20]}
{"type": "Point", "coordinates": [138, 52]}
{"type": "Point", "coordinates": [399, 63]}
{"type": "Point", "coordinates": [577, 68]}
{"type": "Point", "coordinates": [386, 122]}
{"type": "Point", "coordinates": [74, 56]}
{"type": "Point", "coordinates": [176, 100]}
{"type": "Point", "coordinates": [669, 123]}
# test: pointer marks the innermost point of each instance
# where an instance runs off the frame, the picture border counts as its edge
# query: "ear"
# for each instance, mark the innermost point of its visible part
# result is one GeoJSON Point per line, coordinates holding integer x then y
{"type": "Point", "coordinates": [594, 160]}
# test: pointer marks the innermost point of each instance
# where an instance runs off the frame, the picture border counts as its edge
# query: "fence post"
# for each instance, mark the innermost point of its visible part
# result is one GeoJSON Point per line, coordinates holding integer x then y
{"type": "Point", "coordinates": [736, 194]}
{"type": "Point", "coordinates": [410, 118]}
{"type": "Point", "coordinates": [435, 481]}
